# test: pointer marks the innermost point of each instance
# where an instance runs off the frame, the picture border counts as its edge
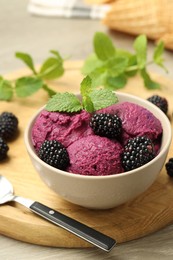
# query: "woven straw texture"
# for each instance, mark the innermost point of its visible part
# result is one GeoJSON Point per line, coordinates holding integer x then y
{"type": "Point", "coordinates": [151, 17]}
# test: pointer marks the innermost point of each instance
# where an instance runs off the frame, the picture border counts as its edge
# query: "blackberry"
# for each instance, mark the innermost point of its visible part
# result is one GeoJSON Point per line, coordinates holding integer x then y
{"type": "Point", "coordinates": [54, 153]}
{"type": "Point", "coordinates": [137, 152]}
{"type": "Point", "coordinates": [3, 149]}
{"type": "Point", "coordinates": [160, 102]}
{"type": "Point", "coordinates": [169, 167]}
{"type": "Point", "coordinates": [106, 125]}
{"type": "Point", "coordinates": [8, 125]}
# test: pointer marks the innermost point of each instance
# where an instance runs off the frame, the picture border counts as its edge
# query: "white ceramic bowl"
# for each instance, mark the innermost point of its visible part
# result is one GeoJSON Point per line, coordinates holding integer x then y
{"type": "Point", "coordinates": [103, 192]}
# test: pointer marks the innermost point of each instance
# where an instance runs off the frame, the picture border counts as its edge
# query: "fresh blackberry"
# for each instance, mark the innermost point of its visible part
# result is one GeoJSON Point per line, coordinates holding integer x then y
{"type": "Point", "coordinates": [106, 125]}
{"type": "Point", "coordinates": [169, 167]}
{"type": "Point", "coordinates": [3, 149]}
{"type": "Point", "coordinates": [160, 102]}
{"type": "Point", "coordinates": [54, 153]}
{"type": "Point", "coordinates": [137, 152]}
{"type": "Point", "coordinates": [8, 125]}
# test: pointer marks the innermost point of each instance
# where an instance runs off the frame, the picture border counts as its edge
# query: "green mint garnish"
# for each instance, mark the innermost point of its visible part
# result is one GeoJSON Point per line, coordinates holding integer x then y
{"type": "Point", "coordinates": [148, 82]}
{"type": "Point", "coordinates": [27, 59]}
{"type": "Point", "coordinates": [140, 46]}
{"type": "Point", "coordinates": [27, 86]}
{"type": "Point", "coordinates": [64, 102]}
{"type": "Point", "coordinates": [91, 99]}
{"type": "Point", "coordinates": [158, 55]}
{"type": "Point", "coordinates": [52, 68]}
{"type": "Point", "coordinates": [111, 67]}
{"type": "Point", "coordinates": [107, 67]}
{"type": "Point", "coordinates": [91, 63]}
{"type": "Point", "coordinates": [114, 83]}
{"type": "Point", "coordinates": [103, 46]}
{"type": "Point", "coordinates": [103, 98]}
{"type": "Point", "coordinates": [87, 104]}
{"type": "Point", "coordinates": [86, 86]}
{"type": "Point", "coordinates": [6, 89]}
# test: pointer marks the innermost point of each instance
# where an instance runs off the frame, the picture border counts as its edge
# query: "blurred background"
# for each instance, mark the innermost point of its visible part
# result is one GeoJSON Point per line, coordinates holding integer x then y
{"type": "Point", "coordinates": [28, 26]}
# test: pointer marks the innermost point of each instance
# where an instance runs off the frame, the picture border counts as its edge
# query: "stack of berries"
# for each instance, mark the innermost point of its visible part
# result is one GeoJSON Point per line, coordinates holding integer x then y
{"type": "Point", "coordinates": [8, 130]}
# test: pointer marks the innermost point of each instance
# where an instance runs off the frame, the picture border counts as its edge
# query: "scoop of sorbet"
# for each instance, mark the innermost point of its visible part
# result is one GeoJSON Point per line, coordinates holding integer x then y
{"type": "Point", "coordinates": [63, 127]}
{"type": "Point", "coordinates": [136, 120]}
{"type": "Point", "coordinates": [95, 155]}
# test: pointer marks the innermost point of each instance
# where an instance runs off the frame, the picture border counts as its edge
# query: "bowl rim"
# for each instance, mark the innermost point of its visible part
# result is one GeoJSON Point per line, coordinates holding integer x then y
{"type": "Point", "coordinates": [117, 175]}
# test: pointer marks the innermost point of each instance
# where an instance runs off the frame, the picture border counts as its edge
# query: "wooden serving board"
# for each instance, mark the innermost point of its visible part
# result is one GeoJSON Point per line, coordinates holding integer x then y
{"type": "Point", "coordinates": [147, 213]}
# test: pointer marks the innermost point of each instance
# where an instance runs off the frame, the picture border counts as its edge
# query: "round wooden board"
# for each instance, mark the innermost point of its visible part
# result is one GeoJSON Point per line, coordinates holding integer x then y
{"type": "Point", "coordinates": [147, 213]}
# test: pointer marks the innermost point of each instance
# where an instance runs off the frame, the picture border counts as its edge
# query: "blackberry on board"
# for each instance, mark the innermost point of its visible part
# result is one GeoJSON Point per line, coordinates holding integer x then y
{"type": "Point", "coordinates": [54, 153]}
{"type": "Point", "coordinates": [107, 125]}
{"type": "Point", "coordinates": [3, 149]}
{"type": "Point", "coordinates": [8, 125]}
{"type": "Point", "coordinates": [169, 167]}
{"type": "Point", "coordinates": [137, 152]}
{"type": "Point", "coordinates": [160, 102]}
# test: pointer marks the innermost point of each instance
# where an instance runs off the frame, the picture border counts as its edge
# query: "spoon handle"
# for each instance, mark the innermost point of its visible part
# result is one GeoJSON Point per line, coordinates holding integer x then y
{"type": "Point", "coordinates": [87, 233]}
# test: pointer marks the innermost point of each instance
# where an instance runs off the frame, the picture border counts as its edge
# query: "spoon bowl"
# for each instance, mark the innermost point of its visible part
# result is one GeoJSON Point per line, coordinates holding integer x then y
{"type": "Point", "coordinates": [6, 190]}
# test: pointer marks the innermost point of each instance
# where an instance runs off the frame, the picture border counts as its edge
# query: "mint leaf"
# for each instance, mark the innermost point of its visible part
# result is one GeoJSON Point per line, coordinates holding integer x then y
{"type": "Point", "coordinates": [114, 83]}
{"type": "Point", "coordinates": [87, 104]}
{"type": "Point", "coordinates": [98, 77]}
{"type": "Point", "coordinates": [132, 68]}
{"type": "Point", "coordinates": [27, 59]}
{"type": "Point", "coordinates": [56, 53]}
{"type": "Point", "coordinates": [6, 90]}
{"type": "Point", "coordinates": [148, 82]}
{"type": "Point", "coordinates": [85, 86]}
{"type": "Point", "coordinates": [103, 46]}
{"type": "Point", "coordinates": [122, 53]}
{"type": "Point", "coordinates": [111, 67]}
{"type": "Point", "coordinates": [27, 86]}
{"type": "Point", "coordinates": [90, 64]}
{"type": "Point", "coordinates": [117, 65]}
{"type": "Point", "coordinates": [158, 55]}
{"type": "Point", "coordinates": [140, 46]}
{"type": "Point", "coordinates": [158, 52]}
{"type": "Point", "coordinates": [64, 102]}
{"type": "Point", "coordinates": [52, 67]}
{"type": "Point", "coordinates": [103, 98]}
{"type": "Point", "coordinates": [131, 61]}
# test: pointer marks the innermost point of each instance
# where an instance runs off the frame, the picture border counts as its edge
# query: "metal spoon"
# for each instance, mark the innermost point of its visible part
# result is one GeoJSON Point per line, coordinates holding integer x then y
{"type": "Point", "coordinates": [87, 233]}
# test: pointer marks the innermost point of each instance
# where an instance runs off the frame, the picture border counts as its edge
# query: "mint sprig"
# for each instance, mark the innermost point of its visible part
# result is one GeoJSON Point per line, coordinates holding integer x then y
{"type": "Point", "coordinates": [111, 67]}
{"type": "Point", "coordinates": [27, 86]}
{"type": "Point", "coordinates": [6, 89]}
{"type": "Point", "coordinates": [64, 102]}
{"type": "Point", "coordinates": [103, 46]}
{"type": "Point", "coordinates": [27, 59]}
{"type": "Point", "coordinates": [91, 99]}
{"type": "Point", "coordinates": [52, 68]}
{"type": "Point", "coordinates": [140, 46]}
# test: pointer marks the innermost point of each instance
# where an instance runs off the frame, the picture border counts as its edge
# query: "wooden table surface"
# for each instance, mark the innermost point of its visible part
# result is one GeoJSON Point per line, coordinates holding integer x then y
{"type": "Point", "coordinates": [38, 35]}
